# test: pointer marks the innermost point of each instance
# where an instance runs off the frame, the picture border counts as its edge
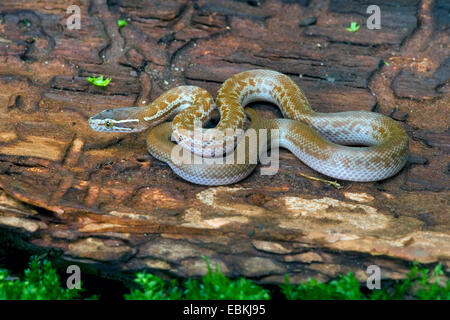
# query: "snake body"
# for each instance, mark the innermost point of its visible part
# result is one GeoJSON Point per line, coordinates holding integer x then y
{"type": "Point", "coordinates": [321, 140]}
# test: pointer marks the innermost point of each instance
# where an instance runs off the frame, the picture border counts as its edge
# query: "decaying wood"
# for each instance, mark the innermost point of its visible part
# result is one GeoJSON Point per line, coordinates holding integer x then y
{"type": "Point", "coordinates": [101, 200]}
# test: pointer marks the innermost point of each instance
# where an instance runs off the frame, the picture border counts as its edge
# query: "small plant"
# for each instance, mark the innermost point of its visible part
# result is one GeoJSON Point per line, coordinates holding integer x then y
{"type": "Point", "coordinates": [122, 23]}
{"type": "Point", "coordinates": [40, 282]}
{"type": "Point", "coordinates": [353, 27]}
{"type": "Point", "coordinates": [216, 286]}
{"type": "Point", "coordinates": [345, 287]}
{"type": "Point", "coordinates": [154, 288]}
{"type": "Point", "coordinates": [213, 286]}
{"type": "Point", "coordinates": [419, 284]}
{"type": "Point", "coordinates": [99, 81]}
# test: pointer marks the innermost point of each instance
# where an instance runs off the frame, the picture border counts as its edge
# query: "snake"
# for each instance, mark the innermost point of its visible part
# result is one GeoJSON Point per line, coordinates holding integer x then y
{"type": "Point", "coordinates": [360, 146]}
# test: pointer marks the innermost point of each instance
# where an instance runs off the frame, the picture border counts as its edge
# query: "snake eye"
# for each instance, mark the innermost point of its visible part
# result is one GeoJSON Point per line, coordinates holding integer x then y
{"type": "Point", "coordinates": [108, 124]}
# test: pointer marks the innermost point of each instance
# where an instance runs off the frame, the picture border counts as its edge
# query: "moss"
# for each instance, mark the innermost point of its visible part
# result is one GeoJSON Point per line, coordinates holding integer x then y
{"type": "Point", "coordinates": [41, 281]}
{"type": "Point", "coordinates": [213, 286]}
{"type": "Point", "coordinates": [343, 288]}
{"type": "Point", "coordinates": [419, 284]}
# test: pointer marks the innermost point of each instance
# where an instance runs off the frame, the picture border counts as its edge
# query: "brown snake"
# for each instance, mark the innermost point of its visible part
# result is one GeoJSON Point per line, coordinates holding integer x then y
{"type": "Point", "coordinates": [321, 140]}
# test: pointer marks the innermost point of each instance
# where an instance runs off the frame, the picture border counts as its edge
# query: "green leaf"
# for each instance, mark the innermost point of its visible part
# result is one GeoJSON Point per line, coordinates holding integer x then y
{"type": "Point", "coordinates": [353, 27]}
{"type": "Point", "coordinates": [99, 81]}
{"type": "Point", "coordinates": [122, 23]}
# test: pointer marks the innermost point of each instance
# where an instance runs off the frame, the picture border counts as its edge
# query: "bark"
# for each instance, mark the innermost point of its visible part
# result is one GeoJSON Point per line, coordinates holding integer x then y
{"type": "Point", "coordinates": [101, 200]}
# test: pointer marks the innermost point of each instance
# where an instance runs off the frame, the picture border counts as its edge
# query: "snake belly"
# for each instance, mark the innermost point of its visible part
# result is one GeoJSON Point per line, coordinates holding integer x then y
{"type": "Point", "coordinates": [323, 141]}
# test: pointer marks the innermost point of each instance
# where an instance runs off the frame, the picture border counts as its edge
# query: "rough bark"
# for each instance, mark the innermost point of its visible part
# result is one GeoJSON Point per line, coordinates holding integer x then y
{"type": "Point", "coordinates": [101, 200]}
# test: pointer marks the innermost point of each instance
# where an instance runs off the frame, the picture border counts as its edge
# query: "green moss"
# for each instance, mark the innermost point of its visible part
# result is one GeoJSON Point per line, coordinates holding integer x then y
{"type": "Point", "coordinates": [213, 286]}
{"type": "Point", "coordinates": [419, 284]}
{"type": "Point", "coordinates": [154, 288]}
{"type": "Point", "coordinates": [343, 288]}
{"type": "Point", "coordinates": [40, 282]}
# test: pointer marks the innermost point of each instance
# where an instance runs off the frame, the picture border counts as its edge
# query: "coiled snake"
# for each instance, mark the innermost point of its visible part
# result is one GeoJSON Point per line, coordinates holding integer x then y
{"type": "Point", "coordinates": [321, 140]}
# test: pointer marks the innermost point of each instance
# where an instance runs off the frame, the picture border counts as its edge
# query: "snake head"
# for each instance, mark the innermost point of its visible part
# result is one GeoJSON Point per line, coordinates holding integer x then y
{"type": "Point", "coordinates": [102, 124]}
{"type": "Point", "coordinates": [118, 120]}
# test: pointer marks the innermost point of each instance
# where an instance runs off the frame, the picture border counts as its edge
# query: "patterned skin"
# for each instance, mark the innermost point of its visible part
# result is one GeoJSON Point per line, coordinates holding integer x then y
{"type": "Point", "coordinates": [320, 140]}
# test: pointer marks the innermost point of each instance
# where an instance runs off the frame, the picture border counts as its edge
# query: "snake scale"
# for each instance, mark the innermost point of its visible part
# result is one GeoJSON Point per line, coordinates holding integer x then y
{"type": "Point", "coordinates": [351, 145]}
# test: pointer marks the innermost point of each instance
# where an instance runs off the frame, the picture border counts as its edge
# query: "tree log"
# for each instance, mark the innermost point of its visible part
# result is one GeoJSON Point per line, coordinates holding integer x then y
{"type": "Point", "coordinates": [101, 200]}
